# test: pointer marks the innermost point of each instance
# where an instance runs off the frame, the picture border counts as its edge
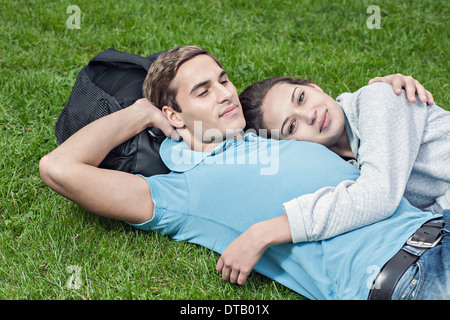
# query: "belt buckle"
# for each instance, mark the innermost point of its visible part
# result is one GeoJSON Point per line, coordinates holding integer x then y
{"type": "Point", "coordinates": [423, 244]}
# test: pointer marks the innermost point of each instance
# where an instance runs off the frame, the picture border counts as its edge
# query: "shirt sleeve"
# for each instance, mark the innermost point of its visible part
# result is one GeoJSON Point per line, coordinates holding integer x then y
{"type": "Point", "coordinates": [170, 199]}
{"type": "Point", "coordinates": [391, 130]}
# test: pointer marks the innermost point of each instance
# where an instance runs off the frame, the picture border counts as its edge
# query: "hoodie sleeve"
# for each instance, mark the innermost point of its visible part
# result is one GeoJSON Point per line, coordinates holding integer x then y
{"type": "Point", "coordinates": [390, 130]}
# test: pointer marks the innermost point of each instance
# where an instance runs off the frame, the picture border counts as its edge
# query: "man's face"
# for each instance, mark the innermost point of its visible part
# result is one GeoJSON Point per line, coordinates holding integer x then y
{"type": "Point", "coordinates": [303, 113]}
{"type": "Point", "coordinates": [206, 96]}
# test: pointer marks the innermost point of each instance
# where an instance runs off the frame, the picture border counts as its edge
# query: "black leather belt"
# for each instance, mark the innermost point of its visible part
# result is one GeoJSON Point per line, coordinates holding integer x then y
{"type": "Point", "coordinates": [426, 237]}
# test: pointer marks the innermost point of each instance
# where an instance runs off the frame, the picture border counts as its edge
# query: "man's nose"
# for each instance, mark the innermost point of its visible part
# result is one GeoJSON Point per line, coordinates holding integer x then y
{"type": "Point", "coordinates": [223, 93]}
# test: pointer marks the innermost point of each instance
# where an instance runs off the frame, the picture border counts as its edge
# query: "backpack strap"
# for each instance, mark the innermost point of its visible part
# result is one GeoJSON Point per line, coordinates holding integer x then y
{"type": "Point", "coordinates": [113, 56]}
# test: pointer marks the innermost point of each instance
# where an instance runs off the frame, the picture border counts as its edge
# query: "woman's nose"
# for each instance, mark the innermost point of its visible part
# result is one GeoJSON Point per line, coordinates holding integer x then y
{"type": "Point", "coordinates": [309, 116]}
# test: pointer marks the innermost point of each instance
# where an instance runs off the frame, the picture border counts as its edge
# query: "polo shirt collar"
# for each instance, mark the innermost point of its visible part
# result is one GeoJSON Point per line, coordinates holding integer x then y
{"type": "Point", "coordinates": [178, 157]}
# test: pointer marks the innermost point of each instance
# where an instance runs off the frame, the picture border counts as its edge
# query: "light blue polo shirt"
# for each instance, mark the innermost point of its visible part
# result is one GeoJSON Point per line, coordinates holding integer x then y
{"type": "Point", "coordinates": [211, 198]}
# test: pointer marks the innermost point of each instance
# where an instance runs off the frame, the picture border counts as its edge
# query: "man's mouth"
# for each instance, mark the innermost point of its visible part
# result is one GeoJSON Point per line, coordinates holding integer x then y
{"type": "Point", "coordinates": [229, 111]}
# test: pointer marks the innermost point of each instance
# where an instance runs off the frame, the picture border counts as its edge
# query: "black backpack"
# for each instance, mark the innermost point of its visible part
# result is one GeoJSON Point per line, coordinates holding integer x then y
{"type": "Point", "coordinates": [111, 81]}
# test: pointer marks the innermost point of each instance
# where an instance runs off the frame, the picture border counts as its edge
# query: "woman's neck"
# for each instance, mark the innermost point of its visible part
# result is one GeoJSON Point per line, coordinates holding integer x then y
{"type": "Point", "coordinates": [342, 146]}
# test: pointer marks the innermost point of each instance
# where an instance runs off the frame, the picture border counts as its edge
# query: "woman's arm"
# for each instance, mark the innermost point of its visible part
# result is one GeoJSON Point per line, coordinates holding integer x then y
{"type": "Point", "coordinates": [390, 132]}
{"type": "Point", "coordinates": [240, 257]}
{"type": "Point", "coordinates": [71, 169]}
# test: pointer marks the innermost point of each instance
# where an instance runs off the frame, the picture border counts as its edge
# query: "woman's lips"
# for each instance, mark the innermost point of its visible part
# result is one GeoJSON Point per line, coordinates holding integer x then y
{"type": "Point", "coordinates": [325, 121]}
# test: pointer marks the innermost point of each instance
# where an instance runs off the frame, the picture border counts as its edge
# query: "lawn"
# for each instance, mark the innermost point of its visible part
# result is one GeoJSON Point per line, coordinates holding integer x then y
{"type": "Point", "coordinates": [46, 242]}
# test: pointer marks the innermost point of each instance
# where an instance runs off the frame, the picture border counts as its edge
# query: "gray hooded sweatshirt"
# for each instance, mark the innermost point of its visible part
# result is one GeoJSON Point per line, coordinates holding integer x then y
{"type": "Point", "coordinates": [402, 150]}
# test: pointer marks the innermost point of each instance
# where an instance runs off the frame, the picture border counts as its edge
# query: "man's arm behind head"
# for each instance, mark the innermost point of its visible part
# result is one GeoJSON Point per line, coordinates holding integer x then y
{"type": "Point", "coordinates": [71, 169]}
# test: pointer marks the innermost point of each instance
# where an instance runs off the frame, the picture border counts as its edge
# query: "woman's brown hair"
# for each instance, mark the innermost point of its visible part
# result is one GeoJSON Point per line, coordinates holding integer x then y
{"type": "Point", "coordinates": [253, 96]}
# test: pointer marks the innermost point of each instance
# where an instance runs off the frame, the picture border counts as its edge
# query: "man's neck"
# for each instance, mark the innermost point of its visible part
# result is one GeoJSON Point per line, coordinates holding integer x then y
{"type": "Point", "coordinates": [197, 143]}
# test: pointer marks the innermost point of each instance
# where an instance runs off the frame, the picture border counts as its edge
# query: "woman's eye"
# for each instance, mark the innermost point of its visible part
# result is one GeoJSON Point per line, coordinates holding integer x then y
{"type": "Point", "coordinates": [300, 97]}
{"type": "Point", "coordinates": [291, 127]}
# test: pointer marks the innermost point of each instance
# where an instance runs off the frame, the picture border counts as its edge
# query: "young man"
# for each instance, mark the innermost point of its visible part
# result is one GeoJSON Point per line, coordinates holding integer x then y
{"type": "Point", "coordinates": [218, 187]}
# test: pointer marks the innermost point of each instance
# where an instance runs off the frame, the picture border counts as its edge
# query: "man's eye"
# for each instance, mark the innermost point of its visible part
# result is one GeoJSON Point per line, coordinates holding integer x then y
{"type": "Point", "coordinates": [300, 97]}
{"type": "Point", "coordinates": [224, 81]}
{"type": "Point", "coordinates": [291, 127]}
{"type": "Point", "coordinates": [203, 93]}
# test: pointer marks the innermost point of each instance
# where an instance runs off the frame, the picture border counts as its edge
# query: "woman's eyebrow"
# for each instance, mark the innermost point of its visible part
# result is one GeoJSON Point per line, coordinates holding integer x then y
{"type": "Point", "coordinates": [293, 95]}
{"type": "Point", "coordinates": [282, 126]}
{"type": "Point", "coordinates": [286, 120]}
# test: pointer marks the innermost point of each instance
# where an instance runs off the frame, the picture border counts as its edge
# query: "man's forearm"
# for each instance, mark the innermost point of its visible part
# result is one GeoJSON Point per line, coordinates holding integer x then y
{"type": "Point", "coordinates": [91, 144]}
{"type": "Point", "coordinates": [71, 169]}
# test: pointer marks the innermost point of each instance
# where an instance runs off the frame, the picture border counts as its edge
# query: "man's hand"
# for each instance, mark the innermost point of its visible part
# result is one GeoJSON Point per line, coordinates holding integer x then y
{"type": "Point", "coordinates": [411, 86]}
{"type": "Point", "coordinates": [156, 118]}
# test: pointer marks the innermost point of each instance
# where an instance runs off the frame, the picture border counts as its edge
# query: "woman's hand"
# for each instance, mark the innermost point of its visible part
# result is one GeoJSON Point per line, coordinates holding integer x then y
{"type": "Point", "coordinates": [411, 86]}
{"type": "Point", "coordinates": [242, 255]}
{"type": "Point", "coordinates": [239, 258]}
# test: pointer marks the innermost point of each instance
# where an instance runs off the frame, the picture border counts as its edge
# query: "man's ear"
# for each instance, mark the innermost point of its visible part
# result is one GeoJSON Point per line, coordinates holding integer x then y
{"type": "Point", "coordinates": [315, 86]}
{"type": "Point", "coordinates": [173, 117]}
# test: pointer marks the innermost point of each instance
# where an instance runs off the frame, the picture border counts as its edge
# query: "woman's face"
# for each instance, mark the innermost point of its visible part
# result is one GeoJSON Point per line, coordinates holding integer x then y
{"type": "Point", "coordinates": [303, 113]}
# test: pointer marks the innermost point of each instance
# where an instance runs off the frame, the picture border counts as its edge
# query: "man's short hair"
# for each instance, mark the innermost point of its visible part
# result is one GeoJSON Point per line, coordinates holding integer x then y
{"type": "Point", "coordinates": [158, 86]}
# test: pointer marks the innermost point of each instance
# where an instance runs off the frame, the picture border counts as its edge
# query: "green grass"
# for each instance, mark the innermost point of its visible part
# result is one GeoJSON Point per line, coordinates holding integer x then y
{"type": "Point", "coordinates": [42, 234]}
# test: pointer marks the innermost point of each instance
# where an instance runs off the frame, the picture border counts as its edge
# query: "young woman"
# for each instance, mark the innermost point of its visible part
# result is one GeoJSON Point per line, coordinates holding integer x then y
{"type": "Point", "coordinates": [400, 145]}
{"type": "Point", "coordinates": [402, 149]}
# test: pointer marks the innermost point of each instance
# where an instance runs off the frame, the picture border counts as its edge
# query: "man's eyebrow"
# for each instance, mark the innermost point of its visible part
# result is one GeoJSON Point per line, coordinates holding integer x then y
{"type": "Point", "coordinates": [203, 83]}
{"type": "Point", "coordinates": [198, 85]}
